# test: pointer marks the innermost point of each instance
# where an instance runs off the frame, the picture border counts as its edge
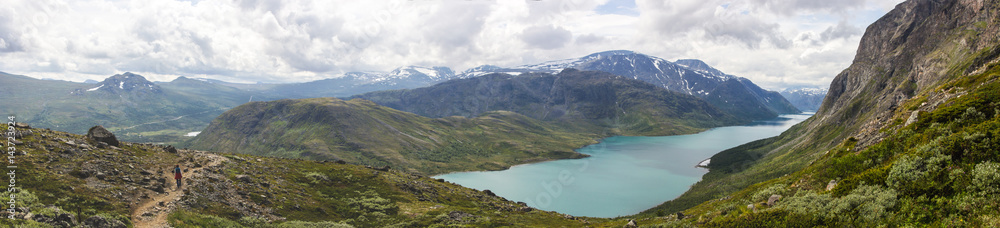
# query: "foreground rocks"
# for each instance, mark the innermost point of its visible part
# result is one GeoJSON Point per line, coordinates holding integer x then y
{"type": "Point", "coordinates": [99, 134]}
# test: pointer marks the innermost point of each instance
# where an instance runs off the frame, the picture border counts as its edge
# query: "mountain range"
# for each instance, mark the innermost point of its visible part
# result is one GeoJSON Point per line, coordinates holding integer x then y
{"type": "Point", "coordinates": [128, 104]}
{"type": "Point", "coordinates": [805, 99]}
{"type": "Point", "coordinates": [165, 112]}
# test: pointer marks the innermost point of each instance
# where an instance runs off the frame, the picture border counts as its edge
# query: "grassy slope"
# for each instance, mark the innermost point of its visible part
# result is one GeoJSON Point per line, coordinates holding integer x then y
{"type": "Point", "coordinates": [359, 131]}
{"type": "Point", "coordinates": [303, 192]}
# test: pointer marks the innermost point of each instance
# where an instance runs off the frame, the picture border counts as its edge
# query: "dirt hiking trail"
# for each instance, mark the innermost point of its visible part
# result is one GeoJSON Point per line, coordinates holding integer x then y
{"type": "Point", "coordinates": [153, 212]}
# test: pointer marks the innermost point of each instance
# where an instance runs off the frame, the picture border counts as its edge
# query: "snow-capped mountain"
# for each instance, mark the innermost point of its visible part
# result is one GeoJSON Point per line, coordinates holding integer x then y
{"type": "Point", "coordinates": [127, 83]}
{"type": "Point", "coordinates": [806, 99]}
{"type": "Point", "coordinates": [688, 76]}
{"type": "Point", "coordinates": [352, 83]}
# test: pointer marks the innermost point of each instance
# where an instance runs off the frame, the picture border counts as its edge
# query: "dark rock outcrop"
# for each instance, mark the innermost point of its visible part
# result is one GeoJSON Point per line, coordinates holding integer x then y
{"type": "Point", "coordinates": [99, 134]}
{"type": "Point", "coordinates": [102, 222]}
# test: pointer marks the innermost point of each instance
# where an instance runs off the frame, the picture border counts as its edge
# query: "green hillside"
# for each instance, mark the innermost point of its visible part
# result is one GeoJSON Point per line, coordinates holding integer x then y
{"type": "Point", "coordinates": [68, 180]}
{"type": "Point", "coordinates": [359, 131]}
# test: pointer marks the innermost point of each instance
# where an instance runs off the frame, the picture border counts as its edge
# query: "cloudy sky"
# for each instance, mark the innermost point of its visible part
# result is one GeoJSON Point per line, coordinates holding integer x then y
{"type": "Point", "coordinates": [776, 43]}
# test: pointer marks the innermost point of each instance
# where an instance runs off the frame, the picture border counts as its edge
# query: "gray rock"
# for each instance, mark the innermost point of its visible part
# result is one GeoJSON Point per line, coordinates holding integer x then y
{"type": "Point", "coordinates": [101, 175]}
{"type": "Point", "coordinates": [22, 125]}
{"type": "Point", "coordinates": [98, 133]}
{"type": "Point", "coordinates": [773, 200]}
{"type": "Point", "coordinates": [60, 219]}
{"type": "Point", "coordinates": [631, 224]}
{"type": "Point", "coordinates": [102, 222]}
{"type": "Point", "coordinates": [460, 215]}
{"type": "Point", "coordinates": [244, 178]}
{"type": "Point", "coordinates": [171, 149]}
{"type": "Point", "coordinates": [913, 118]}
{"type": "Point", "coordinates": [831, 185]}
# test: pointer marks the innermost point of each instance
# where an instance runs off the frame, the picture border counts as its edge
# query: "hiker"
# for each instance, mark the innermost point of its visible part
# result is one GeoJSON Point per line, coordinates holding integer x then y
{"type": "Point", "coordinates": [177, 176]}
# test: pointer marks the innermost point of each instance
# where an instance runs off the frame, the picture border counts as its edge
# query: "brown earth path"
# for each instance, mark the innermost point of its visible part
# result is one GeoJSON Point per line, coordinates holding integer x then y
{"type": "Point", "coordinates": [153, 212]}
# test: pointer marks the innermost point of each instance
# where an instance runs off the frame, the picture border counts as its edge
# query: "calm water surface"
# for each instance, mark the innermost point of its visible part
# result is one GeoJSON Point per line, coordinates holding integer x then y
{"type": "Point", "coordinates": [624, 175]}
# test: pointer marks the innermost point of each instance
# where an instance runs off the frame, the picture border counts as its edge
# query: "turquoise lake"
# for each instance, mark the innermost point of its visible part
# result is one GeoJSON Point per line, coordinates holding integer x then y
{"type": "Point", "coordinates": [623, 175]}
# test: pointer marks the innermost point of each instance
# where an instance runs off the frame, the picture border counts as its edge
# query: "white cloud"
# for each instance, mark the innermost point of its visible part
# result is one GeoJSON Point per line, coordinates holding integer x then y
{"type": "Point", "coordinates": [774, 43]}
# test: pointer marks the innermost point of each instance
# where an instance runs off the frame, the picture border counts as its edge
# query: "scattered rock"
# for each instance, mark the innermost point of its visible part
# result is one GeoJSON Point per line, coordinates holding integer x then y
{"type": "Point", "coordinates": [98, 133]}
{"type": "Point", "coordinates": [913, 118]}
{"type": "Point", "coordinates": [489, 193]}
{"type": "Point", "coordinates": [831, 185]}
{"type": "Point", "coordinates": [773, 200]}
{"type": "Point", "coordinates": [631, 224]}
{"type": "Point", "coordinates": [680, 215]}
{"type": "Point", "coordinates": [525, 209]}
{"type": "Point", "coordinates": [244, 178]}
{"type": "Point", "coordinates": [98, 221]}
{"type": "Point", "coordinates": [383, 168]}
{"type": "Point", "coordinates": [60, 219]}
{"type": "Point", "coordinates": [22, 125]}
{"type": "Point", "coordinates": [460, 215]}
{"type": "Point", "coordinates": [750, 207]}
{"type": "Point", "coordinates": [101, 175]}
{"type": "Point", "coordinates": [171, 149]}
{"type": "Point", "coordinates": [570, 217]}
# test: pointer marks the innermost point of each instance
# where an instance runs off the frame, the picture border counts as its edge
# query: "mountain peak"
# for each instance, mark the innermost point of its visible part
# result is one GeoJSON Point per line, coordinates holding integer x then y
{"type": "Point", "coordinates": [696, 64]}
{"type": "Point", "coordinates": [615, 52]}
{"type": "Point", "coordinates": [127, 83]}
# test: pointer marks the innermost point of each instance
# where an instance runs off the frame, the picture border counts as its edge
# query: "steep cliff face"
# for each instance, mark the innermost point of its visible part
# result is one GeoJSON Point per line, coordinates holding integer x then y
{"type": "Point", "coordinates": [913, 65]}
{"type": "Point", "coordinates": [909, 51]}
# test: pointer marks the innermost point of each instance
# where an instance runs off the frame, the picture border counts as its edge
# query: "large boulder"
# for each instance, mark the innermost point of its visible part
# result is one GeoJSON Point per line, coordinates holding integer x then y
{"type": "Point", "coordinates": [631, 224]}
{"type": "Point", "coordinates": [98, 133]}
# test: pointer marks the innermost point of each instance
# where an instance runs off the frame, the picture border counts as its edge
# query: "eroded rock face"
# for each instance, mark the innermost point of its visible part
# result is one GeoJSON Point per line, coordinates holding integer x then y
{"type": "Point", "coordinates": [895, 61]}
{"type": "Point", "coordinates": [99, 134]}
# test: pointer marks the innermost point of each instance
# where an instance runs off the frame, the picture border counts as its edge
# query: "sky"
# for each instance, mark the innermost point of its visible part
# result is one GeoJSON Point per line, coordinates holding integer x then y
{"type": "Point", "coordinates": [777, 44]}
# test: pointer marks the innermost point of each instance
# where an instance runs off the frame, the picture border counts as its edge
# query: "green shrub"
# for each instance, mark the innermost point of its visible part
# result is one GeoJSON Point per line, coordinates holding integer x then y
{"type": "Point", "coordinates": [316, 177]}
{"type": "Point", "coordinates": [866, 203]}
{"type": "Point", "coordinates": [370, 201]}
{"type": "Point", "coordinates": [917, 174]}
{"type": "Point", "coordinates": [986, 178]}
{"type": "Point", "coordinates": [764, 194]}
{"type": "Point", "coordinates": [303, 224]}
{"type": "Point", "coordinates": [181, 218]}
